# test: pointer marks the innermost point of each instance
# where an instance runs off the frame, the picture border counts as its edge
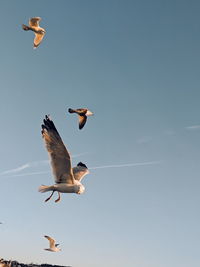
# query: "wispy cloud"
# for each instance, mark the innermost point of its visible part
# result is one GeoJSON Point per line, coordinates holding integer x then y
{"type": "Point", "coordinates": [25, 166]}
{"type": "Point", "coordinates": [193, 127]}
{"type": "Point", "coordinates": [32, 165]}
{"type": "Point", "coordinates": [94, 168]}
{"type": "Point", "coordinates": [18, 169]}
{"type": "Point", "coordinates": [80, 154]}
{"type": "Point", "coordinates": [126, 165]}
{"type": "Point", "coordinates": [28, 174]}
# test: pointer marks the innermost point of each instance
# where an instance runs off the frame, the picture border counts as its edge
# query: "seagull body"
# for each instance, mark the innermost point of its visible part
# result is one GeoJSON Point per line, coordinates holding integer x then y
{"type": "Point", "coordinates": [68, 179]}
{"type": "Point", "coordinates": [53, 247]}
{"type": "Point", "coordinates": [34, 26]}
{"type": "Point", "coordinates": [83, 113]}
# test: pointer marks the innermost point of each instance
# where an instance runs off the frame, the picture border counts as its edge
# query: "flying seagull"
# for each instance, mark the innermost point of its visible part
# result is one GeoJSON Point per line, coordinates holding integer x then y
{"type": "Point", "coordinates": [53, 247]}
{"type": "Point", "coordinates": [68, 179]}
{"type": "Point", "coordinates": [34, 26]}
{"type": "Point", "coordinates": [82, 115]}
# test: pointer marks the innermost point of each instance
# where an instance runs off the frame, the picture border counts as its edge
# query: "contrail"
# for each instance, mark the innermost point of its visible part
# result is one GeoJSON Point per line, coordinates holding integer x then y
{"type": "Point", "coordinates": [25, 166]}
{"type": "Point", "coordinates": [95, 168]}
{"type": "Point", "coordinates": [28, 174]}
{"type": "Point", "coordinates": [126, 165]}
{"type": "Point", "coordinates": [34, 164]}
{"type": "Point", "coordinates": [193, 127]}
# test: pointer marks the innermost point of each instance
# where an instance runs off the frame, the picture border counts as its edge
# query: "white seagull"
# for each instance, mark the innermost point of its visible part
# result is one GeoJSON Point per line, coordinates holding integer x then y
{"type": "Point", "coordinates": [68, 179]}
{"type": "Point", "coordinates": [34, 26]}
{"type": "Point", "coordinates": [53, 247]}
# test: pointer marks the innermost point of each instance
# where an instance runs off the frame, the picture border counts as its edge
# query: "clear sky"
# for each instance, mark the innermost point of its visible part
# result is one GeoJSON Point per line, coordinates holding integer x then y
{"type": "Point", "coordinates": [135, 64]}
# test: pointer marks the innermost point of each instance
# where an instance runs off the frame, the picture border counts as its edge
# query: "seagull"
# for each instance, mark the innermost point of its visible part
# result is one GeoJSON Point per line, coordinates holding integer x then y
{"type": "Point", "coordinates": [34, 26]}
{"type": "Point", "coordinates": [68, 179]}
{"type": "Point", "coordinates": [53, 247]}
{"type": "Point", "coordinates": [82, 115]}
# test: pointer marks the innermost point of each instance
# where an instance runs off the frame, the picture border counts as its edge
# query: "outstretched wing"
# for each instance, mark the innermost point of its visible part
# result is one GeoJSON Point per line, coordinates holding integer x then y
{"type": "Point", "coordinates": [80, 171]}
{"type": "Point", "coordinates": [34, 22]}
{"type": "Point", "coordinates": [51, 241]}
{"type": "Point", "coordinates": [60, 158]}
{"type": "Point", "coordinates": [82, 121]}
{"type": "Point", "coordinates": [38, 39]}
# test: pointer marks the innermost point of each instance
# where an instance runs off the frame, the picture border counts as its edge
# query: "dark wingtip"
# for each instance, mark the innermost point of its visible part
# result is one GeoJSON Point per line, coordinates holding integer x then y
{"type": "Point", "coordinates": [80, 126]}
{"type": "Point", "coordinates": [70, 110]}
{"type": "Point", "coordinates": [24, 27]}
{"type": "Point", "coordinates": [48, 124]}
{"type": "Point", "coordinates": [44, 126]}
{"type": "Point", "coordinates": [82, 164]}
{"type": "Point", "coordinates": [47, 117]}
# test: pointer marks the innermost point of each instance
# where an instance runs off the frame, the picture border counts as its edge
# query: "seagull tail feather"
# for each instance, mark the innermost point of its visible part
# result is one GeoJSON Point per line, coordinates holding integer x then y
{"type": "Point", "coordinates": [45, 188]}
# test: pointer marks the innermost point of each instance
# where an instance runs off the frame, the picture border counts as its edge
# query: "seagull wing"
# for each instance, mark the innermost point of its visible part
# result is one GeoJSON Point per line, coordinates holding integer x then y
{"type": "Point", "coordinates": [34, 22]}
{"type": "Point", "coordinates": [81, 111]}
{"type": "Point", "coordinates": [80, 171]}
{"type": "Point", "coordinates": [82, 121]}
{"type": "Point", "coordinates": [38, 39]}
{"type": "Point", "coordinates": [51, 241]}
{"type": "Point", "coordinates": [60, 158]}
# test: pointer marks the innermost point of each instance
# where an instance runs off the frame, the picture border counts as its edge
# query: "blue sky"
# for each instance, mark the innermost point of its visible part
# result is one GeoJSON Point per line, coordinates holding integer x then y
{"type": "Point", "coordinates": [135, 64]}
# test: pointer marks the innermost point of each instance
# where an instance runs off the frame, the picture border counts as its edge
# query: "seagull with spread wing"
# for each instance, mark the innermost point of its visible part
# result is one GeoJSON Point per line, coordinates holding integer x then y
{"type": "Point", "coordinates": [83, 113]}
{"type": "Point", "coordinates": [68, 179]}
{"type": "Point", "coordinates": [53, 247]}
{"type": "Point", "coordinates": [34, 26]}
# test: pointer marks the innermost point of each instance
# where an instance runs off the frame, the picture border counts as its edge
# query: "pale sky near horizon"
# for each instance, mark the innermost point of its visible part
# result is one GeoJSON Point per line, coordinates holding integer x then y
{"type": "Point", "coordinates": [135, 64]}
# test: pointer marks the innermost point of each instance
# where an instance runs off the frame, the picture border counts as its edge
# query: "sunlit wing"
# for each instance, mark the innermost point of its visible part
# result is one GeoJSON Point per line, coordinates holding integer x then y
{"type": "Point", "coordinates": [38, 39]}
{"type": "Point", "coordinates": [80, 171]}
{"type": "Point", "coordinates": [51, 241]}
{"type": "Point", "coordinates": [81, 110]}
{"type": "Point", "coordinates": [34, 22]}
{"type": "Point", "coordinates": [60, 158]}
{"type": "Point", "coordinates": [82, 121]}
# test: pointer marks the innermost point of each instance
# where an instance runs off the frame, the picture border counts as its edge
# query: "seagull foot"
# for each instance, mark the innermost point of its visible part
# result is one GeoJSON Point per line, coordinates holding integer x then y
{"type": "Point", "coordinates": [47, 199]}
{"type": "Point", "coordinates": [57, 200]}
{"type": "Point", "coordinates": [50, 196]}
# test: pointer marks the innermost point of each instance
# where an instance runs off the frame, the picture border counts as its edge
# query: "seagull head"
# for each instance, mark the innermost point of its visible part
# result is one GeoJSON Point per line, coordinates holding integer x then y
{"type": "Point", "coordinates": [89, 113]}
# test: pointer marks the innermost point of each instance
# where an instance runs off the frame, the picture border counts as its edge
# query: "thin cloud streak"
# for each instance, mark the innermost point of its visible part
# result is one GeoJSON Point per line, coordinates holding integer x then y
{"type": "Point", "coordinates": [18, 169]}
{"type": "Point", "coordinates": [126, 165]}
{"type": "Point", "coordinates": [26, 166]}
{"type": "Point", "coordinates": [28, 174]}
{"type": "Point", "coordinates": [193, 127]}
{"type": "Point", "coordinates": [95, 168]}
{"type": "Point", "coordinates": [34, 164]}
